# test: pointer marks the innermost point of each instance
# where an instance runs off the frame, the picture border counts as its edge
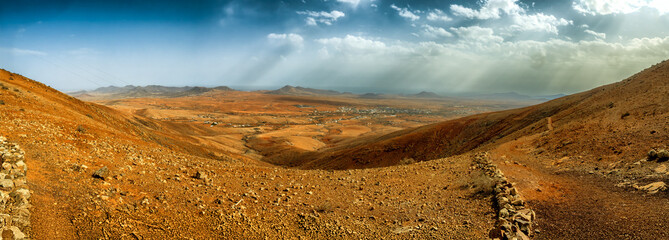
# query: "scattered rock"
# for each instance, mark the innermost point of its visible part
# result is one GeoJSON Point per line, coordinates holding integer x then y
{"type": "Point", "coordinates": [101, 173]}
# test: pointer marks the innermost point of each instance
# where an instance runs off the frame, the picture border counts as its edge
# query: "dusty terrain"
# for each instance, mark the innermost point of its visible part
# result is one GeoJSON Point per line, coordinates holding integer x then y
{"type": "Point", "coordinates": [346, 169]}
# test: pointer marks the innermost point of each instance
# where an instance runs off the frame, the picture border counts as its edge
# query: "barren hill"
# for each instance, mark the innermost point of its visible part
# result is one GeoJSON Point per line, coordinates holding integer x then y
{"type": "Point", "coordinates": [302, 91]}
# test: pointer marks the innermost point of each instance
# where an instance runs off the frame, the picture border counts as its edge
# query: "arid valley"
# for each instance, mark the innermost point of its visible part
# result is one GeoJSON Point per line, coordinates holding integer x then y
{"type": "Point", "coordinates": [334, 119]}
{"type": "Point", "coordinates": [231, 164]}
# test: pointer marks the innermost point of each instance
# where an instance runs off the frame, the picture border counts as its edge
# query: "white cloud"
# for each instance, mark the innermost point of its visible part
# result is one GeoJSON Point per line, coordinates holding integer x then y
{"type": "Point", "coordinates": [352, 43]}
{"type": "Point", "coordinates": [597, 35]}
{"type": "Point", "coordinates": [353, 3]}
{"type": "Point", "coordinates": [477, 34]}
{"type": "Point", "coordinates": [283, 39]}
{"type": "Point", "coordinates": [606, 7]}
{"type": "Point", "coordinates": [405, 13]}
{"type": "Point", "coordinates": [537, 22]}
{"type": "Point", "coordinates": [481, 61]}
{"type": "Point", "coordinates": [311, 21]}
{"type": "Point", "coordinates": [490, 9]}
{"type": "Point", "coordinates": [435, 32]}
{"type": "Point", "coordinates": [520, 20]}
{"type": "Point", "coordinates": [327, 18]}
{"type": "Point", "coordinates": [438, 15]}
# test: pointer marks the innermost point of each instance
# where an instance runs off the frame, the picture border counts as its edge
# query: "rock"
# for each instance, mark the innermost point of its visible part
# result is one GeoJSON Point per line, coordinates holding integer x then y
{"type": "Point", "coordinates": [21, 217]}
{"type": "Point", "coordinates": [503, 213]}
{"type": "Point", "coordinates": [6, 166]}
{"type": "Point", "coordinates": [21, 196]}
{"type": "Point", "coordinates": [401, 230]}
{"type": "Point", "coordinates": [663, 155]}
{"type": "Point", "coordinates": [200, 175]}
{"type": "Point", "coordinates": [13, 233]}
{"type": "Point", "coordinates": [624, 184]}
{"type": "Point", "coordinates": [6, 184]}
{"type": "Point", "coordinates": [21, 165]}
{"type": "Point", "coordinates": [526, 214]}
{"type": "Point", "coordinates": [502, 201]}
{"type": "Point", "coordinates": [522, 236]}
{"type": "Point", "coordinates": [653, 187]}
{"type": "Point", "coordinates": [101, 173]}
{"type": "Point", "coordinates": [661, 169]}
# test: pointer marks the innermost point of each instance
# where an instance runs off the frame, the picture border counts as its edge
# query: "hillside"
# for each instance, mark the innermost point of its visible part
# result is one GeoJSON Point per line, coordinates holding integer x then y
{"type": "Point", "coordinates": [617, 121]}
{"type": "Point", "coordinates": [99, 173]}
{"type": "Point", "coordinates": [579, 161]}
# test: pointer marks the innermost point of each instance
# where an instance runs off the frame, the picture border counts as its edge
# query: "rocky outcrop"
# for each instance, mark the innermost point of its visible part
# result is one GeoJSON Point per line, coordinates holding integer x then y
{"type": "Point", "coordinates": [14, 193]}
{"type": "Point", "coordinates": [514, 219]}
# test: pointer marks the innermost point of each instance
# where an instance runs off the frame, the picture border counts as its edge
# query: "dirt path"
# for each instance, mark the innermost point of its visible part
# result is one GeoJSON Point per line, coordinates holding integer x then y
{"type": "Point", "coordinates": [572, 205]}
{"type": "Point", "coordinates": [50, 212]}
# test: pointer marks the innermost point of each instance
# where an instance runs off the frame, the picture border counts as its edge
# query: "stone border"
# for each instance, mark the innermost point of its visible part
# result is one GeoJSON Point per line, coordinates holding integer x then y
{"type": "Point", "coordinates": [514, 219]}
{"type": "Point", "coordinates": [14, 193]}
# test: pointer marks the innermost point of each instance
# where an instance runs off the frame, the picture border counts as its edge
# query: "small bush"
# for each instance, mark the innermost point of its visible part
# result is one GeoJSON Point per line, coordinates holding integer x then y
{"type": "Point", "coordinates": [324, 208]}
{"type": "Point", "coordinates": [2, 102]}
{"type": "Point", "coordinates": [624, 115]}
{"type": "Point", "coordinates": [482, 184]}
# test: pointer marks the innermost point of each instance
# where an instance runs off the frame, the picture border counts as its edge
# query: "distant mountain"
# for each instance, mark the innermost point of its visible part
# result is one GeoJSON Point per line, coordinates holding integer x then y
{"type": "Point", "coordinates": [425, 94]}
{"type": "Point", "coordinates": [371, 95]}
{"type": "Point", "coordinates": [130, 91]}
{"type": "Point", "coordinates": [302, 91]}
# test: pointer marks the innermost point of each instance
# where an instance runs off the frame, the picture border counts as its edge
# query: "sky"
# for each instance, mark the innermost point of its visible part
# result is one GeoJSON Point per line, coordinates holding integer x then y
{"type": "Point", "coordinates": [387, 46]}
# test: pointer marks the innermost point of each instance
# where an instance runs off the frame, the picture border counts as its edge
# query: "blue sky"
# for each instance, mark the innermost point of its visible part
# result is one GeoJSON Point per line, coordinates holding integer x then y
{"type": "Point", "coordinates": [531, 47]}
